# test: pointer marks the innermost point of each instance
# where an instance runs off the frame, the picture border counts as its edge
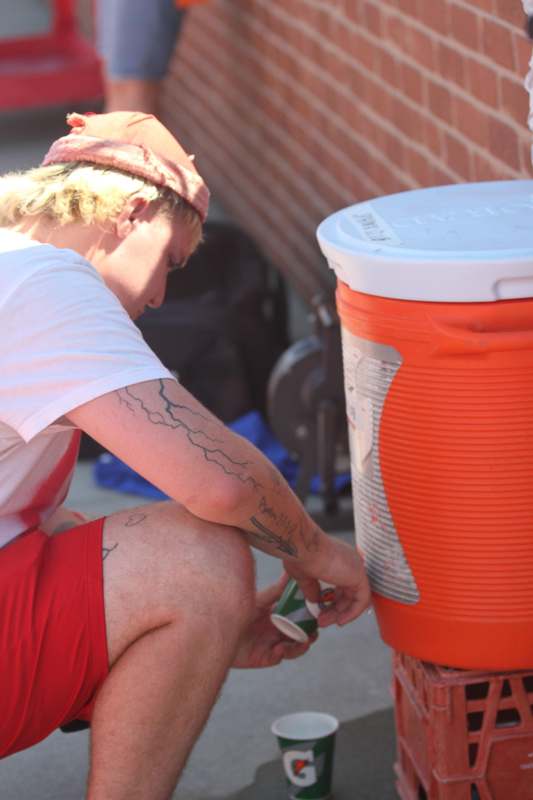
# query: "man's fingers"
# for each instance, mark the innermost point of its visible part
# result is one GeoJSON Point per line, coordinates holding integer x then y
{"type": "Point", "coordinates": [290, 650]}
{"type": "Point", "coordinates": [310, 588]}
{"type": "Point", "coordinates": [354, 611]}
{"type": "Point", "coordinates": [286, 649]}
{"type": "Point", "coordinates": [345, 609]}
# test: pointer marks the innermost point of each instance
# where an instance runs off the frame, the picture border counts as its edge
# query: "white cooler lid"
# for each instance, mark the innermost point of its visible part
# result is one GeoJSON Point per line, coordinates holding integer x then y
{"type": "Point", "coordinates": [468, 242]}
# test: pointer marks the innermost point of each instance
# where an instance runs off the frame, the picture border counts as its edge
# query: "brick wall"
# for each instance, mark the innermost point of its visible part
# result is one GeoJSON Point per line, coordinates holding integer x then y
{"type": "Point", "coordinates": [296, 108]}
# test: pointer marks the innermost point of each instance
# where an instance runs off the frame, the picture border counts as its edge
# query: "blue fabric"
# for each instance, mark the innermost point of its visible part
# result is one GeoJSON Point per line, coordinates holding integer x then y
{"type": "Point", "coordinates": [111, 473]}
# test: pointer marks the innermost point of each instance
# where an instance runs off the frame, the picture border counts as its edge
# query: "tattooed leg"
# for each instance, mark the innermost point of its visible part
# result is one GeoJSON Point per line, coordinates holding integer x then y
{"type": "Point", "coordinates": [179, 594]}
{"type": "Point", "coordinates": [135, 519]}
{"type": "Point", "coordinates": [107, 550]}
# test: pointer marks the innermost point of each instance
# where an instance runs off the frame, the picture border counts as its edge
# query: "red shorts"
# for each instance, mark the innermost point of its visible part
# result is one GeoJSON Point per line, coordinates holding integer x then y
{"type": "Point", "coordinates": [53, 646]}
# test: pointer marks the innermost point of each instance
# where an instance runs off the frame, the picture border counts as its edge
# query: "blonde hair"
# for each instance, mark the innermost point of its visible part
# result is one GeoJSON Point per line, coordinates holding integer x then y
{"type": "Point", "coordinates": [83, 192]}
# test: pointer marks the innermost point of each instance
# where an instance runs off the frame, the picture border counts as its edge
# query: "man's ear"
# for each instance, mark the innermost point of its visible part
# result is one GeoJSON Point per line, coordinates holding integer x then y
{"type": "Point", "coordinates": [133, 210]}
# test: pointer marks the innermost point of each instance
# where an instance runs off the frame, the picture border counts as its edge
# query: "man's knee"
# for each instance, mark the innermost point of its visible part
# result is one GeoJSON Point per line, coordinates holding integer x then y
{"type": "Point", "coordinates": [214, 554]}
{"type": "Point", "coordinates": [161, 563]}
{"type": "Point", "coordinates": [221, 562]}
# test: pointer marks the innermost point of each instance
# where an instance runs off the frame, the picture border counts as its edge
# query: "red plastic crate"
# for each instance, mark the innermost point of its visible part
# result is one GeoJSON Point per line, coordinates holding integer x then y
{"type": "Point", "coordinates": [58, 67]}
{"type": "Point", "coordinates": [462, 735]}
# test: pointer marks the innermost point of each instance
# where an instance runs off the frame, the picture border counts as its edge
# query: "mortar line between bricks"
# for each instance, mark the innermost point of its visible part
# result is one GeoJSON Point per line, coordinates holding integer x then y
{"type": "Point", "coordinates": [378, 120]}
{"type": "Point", "coordinates": [471, 147]}
{"type": "Point", "coordinates": [307, 252]}
{"type": "Point", "coordinates": [227, 156]}
{"type": "Point", "coordinates": [420, 26]}
{"type": "Point", "coordinates": [319, 138]}
{"type": "Point", "coordinates": [317, 104]}
{"type": "Point", "coordinates": [283, 198]}
{"type": "Point", "coordinates": [449, 127]}
{"type": "Point", "coordinates": [405, 57]}
{"type": "Point", "coordinates": [486, 14]}
{"type": "Point", "coordinates": [323, 5]}
{"type": "Point", "coordinates": [403, 176]}
{"type": "Point", "coordinates": [302, 154]}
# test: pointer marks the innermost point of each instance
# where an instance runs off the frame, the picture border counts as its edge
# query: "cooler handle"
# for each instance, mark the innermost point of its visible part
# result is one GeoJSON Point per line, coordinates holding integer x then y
{"type": "Point", "coordinates": [455, 341]}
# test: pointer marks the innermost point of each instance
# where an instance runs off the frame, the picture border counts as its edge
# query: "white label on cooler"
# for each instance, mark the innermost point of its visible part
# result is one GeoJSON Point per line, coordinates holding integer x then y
{"type": "Point", "coordinates": [364, 428]}
{"type": "Point", "coordinates": [371, 225]}
{"type": "Point", "coordinates": [369, 369]}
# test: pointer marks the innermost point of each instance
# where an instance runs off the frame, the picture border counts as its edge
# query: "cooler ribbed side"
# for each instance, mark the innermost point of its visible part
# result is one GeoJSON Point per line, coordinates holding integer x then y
{"type": "Point", "coordinates": [457, 462]}
{"type": "Point", "coordinates": [455, 459]}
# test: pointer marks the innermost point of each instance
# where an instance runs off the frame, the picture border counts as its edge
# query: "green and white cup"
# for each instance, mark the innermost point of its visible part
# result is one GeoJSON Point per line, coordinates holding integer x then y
{"type": "Point", "coordinates": [295, 616]}
{"type": "Point", "coordinates": [307, 743]}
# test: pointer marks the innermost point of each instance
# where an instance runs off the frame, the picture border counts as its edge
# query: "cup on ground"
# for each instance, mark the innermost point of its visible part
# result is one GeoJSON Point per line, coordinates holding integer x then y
{"type": "Point", "coordinates": [307, 743]}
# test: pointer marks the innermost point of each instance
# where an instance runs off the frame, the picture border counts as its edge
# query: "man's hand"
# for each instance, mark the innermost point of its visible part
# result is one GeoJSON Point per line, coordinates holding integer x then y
{"type": "Point", "coordinates": [339, 565]}
{"type": "Point", "coordinates": [263, 645]}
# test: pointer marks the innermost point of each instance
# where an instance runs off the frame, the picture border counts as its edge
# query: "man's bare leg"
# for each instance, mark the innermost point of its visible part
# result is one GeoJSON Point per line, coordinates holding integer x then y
{"type": "Point", "coordinates": [179, 593]}
{"type": "Point", "coordinates": [132, 94]}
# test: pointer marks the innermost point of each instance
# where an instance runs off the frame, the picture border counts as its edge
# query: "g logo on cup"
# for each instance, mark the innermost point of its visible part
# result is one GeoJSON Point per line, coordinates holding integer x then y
{"type": "Point", "coordinates": [300, 767]}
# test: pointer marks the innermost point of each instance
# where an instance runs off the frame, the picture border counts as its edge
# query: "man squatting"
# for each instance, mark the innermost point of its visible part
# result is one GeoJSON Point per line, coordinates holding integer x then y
{"type": "Point", "coordinates": [133, 620]}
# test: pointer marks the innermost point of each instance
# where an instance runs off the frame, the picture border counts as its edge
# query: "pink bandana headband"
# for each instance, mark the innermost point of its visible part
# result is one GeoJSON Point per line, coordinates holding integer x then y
{"type": "Point", "coordinates": [128, 144]}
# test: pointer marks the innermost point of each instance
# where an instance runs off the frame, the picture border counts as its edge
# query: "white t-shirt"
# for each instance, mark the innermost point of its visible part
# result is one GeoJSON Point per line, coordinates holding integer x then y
{"type": "Point", "coordinates": [64, 340]}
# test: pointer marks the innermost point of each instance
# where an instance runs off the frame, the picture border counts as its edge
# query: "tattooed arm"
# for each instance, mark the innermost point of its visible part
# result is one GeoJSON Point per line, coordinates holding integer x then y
{"type": "Point", "coordinates": [161, 431]}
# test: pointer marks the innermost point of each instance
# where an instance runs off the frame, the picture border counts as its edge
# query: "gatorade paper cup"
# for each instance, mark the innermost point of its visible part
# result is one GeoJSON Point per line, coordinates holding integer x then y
{"type": "Point", "coordinates": [296, 617]}
{"type": "Point", "coordinates": [307, 743]}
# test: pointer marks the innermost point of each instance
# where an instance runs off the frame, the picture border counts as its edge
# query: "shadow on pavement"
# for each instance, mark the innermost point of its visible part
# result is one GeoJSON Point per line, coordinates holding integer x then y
{"type": "Point", "coordinates": [364, 758]}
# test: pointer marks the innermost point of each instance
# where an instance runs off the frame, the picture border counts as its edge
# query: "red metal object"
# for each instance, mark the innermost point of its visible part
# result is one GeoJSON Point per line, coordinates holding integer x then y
{"type": "Point", "coordinates": [462, 735]}
{"type": "Point", "coordinates": [58, 67]}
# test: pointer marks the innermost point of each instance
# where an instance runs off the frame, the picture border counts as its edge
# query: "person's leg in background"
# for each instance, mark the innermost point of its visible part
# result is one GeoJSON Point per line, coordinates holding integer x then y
{"type": "Point", "coordinates": [136, 40]}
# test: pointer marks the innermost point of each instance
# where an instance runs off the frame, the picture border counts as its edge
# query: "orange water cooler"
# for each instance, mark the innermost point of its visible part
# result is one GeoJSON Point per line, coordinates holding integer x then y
{"type": "Point", "coordinates": [435, 296]}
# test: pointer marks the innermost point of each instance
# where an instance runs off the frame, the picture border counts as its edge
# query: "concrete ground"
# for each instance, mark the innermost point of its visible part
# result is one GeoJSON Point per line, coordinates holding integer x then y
{"type": "Point", "coordinates": [347, 673]}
